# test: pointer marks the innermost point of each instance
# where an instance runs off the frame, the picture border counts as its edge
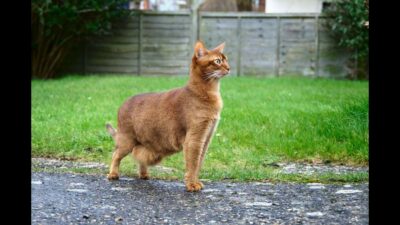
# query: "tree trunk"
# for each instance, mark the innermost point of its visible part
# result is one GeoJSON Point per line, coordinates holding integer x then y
{"type": "Point", "coordinates": [49, 51]}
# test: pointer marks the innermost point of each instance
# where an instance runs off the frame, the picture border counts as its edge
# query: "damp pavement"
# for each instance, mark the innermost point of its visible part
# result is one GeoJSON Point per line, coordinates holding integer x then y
{"type": "Point", "coordinates": [68, 198]}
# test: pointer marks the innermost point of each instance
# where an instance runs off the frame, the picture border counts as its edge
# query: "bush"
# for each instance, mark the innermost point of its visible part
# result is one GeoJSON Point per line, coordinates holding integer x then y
{"type": "Point", "coordinates": [57, 24]}
{"type": "Point", "coordinates": [348, 22]}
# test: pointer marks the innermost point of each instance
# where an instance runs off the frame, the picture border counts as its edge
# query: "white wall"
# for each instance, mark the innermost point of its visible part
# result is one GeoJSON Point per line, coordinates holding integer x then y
{"type": "Point", "coordinates": [293, 6]}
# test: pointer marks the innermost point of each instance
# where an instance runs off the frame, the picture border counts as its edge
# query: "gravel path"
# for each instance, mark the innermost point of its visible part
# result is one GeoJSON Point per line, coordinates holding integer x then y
{"type": "Point", "coordinates": [66, 198]}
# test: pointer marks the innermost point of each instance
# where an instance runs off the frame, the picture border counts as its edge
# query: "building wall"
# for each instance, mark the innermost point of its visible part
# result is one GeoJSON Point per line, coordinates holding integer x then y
{"type": "Point", "coordinates": [293, 6]}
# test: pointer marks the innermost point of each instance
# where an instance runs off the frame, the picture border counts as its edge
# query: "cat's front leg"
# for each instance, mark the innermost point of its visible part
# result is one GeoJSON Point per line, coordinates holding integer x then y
{"type": "Point", "coordinates": [213, 127]}
{"type": "Point", "coordinates": [195, 141]}
{"type": "Point", "coordinates": [192, 153]}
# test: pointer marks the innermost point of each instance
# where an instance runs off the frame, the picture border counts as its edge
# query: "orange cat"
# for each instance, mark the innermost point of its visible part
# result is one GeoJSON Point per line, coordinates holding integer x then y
{"type": "Point", "coordinates": [155, 125]}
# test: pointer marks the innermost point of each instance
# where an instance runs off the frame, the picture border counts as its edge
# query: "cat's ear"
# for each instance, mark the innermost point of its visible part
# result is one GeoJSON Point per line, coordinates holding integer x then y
{"type": "Point", "coordinates": [199, 49]}
{"type": "Point", "coordinates": [220, 48]}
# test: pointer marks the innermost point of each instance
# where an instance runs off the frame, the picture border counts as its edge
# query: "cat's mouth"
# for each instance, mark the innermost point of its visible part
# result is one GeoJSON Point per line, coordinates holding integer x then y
{"type": "Point", "coordinates": [224, 73]}
{"type": "Point", "coordinates": [216, 74]}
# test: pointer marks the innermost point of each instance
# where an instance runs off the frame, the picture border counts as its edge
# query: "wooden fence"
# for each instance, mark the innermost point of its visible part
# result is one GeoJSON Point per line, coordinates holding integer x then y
{"type": "Point", "coordinates": [155, 43]}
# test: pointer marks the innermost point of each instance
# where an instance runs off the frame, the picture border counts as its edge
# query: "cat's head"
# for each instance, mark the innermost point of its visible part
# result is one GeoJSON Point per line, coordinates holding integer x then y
{"type": "Point", "coordinates": [212, 64]}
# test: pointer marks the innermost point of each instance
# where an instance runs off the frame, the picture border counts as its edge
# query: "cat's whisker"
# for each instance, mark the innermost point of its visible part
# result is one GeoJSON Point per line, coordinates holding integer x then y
{"type": "Point", "coordinates": [212, 75]}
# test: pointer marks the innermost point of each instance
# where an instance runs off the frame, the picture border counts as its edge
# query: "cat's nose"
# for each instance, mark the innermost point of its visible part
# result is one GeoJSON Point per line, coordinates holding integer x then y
{"type": "Point", "coordinates": [228, 68]}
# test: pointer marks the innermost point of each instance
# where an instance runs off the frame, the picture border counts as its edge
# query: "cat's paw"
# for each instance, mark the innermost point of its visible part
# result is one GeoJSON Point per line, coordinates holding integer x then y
{"type": "Point", "coordinates": [144, 176]}
{"type": "Point", "coordinates": [194, 186]}
{"type": "Point", "coordinates": [112, 176]}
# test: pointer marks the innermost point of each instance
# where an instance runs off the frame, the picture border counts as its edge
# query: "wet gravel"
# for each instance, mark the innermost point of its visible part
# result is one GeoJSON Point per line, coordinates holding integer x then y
{"type": "Point", "coordinates": [309, 169]}
{"type": "Point", "coordinates": [64, 164]}
{"type": "Point", "coordinates": [282, 167]}
{"type": "Point", "coordinates": [67, 198]}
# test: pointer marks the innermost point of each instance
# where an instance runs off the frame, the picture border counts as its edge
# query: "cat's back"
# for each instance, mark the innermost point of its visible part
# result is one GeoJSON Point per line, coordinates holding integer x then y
{"type": "Point", "coordinates": [155, 99]}
{"type": "Point", "coordinates": [151, 105]}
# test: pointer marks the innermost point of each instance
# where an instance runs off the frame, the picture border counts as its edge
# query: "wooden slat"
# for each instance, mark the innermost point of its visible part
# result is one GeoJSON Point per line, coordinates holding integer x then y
{"type": "Point", "coordinates": [164, 63]}
{"type": "Point", "coordinates": [115, 47]}
{"type": "Point", "coordinates": [165, 33]}
{"type": "Point", "coordinates": [111, 69]}
{"type": "Point", "coordinates": [256, 15]}
{"type": "Point", "coordinates": [166, 19]}
{"type": "Point", "coordinates": [111, 62]}
{"type": "Point", "coordinates": [165, 70]}
{"type": "Point", "coordinates": [164, 47]}
{"type": "Point", "coordinates": [126, 32]}
{"type": "Point", "coordinates": [257, 71]}
{"type": "Point", "coordinates": [165, 26]}
{"type": "Point", "coordinates": [167, 40]}
{"type": "Point", "coordinates": [180, 55]}
{"type": "Point", "coordinates": [117, 40]}
{"type": "Point", "coordinates": [129, 25]}
{"type": "Point", "coordinates": [112, 55]}
{"type": "Point", "coordinates": [165, 13]}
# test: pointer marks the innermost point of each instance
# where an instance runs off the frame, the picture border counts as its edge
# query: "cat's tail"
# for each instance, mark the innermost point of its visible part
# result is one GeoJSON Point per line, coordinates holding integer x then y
{"type": "Point", "coordinates": [111, 130]}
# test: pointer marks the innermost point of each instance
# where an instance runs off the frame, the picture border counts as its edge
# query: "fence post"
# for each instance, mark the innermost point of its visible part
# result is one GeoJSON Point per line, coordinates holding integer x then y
{"type": "Point", "coordinates": [239, 53]}
{"type": "Point", "coordinates": [140, 43]}
{"type": "Point", "coordinates": [317, 46]}
{"type": "Point", "coordinates": [195, 20]}
{"type": "Point", "coordinates": [278, 46]}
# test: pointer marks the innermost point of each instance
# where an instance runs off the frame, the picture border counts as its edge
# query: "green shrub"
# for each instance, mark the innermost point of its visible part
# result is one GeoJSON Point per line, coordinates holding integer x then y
{"type": "Point", "coordinates": [56, 25]}
{"type": "Point", "coordinates": [348, 22]}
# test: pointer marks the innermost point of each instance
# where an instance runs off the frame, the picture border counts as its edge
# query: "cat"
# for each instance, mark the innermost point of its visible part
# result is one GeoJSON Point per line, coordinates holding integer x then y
{"type": "Point", "coordinates": [152, 126]}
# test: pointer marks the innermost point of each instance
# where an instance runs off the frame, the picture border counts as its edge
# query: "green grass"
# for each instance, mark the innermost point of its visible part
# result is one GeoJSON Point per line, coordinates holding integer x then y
{"type": "Point", "coordinates": [264, 120]}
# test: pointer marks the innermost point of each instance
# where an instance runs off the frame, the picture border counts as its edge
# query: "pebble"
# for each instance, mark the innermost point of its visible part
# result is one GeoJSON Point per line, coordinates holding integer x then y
{"type": "Point", "coordinates": [258, 204]}
{"type": "Point", "coordinates": [36, 182]}
{"type": "Point", "coordinates": [314, 214]}
{"type": "Point", "coordinates": [77, 190]}
{"type": "Point", "coordinates": [348, 191]}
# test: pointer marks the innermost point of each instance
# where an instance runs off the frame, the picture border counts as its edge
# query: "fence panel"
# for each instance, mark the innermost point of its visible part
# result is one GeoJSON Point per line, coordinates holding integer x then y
{"type": "Point", "coordinates": [257, 44]}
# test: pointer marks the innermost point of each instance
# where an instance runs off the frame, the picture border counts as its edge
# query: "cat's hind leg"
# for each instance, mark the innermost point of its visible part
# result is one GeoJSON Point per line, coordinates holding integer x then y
{"type": "Point", "coordinates": [145, 157]}
{"type": "Point", "coordinates": [123, 146]}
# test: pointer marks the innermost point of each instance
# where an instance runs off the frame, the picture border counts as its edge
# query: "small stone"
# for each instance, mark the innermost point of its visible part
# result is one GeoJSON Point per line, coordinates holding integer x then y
{"type": "Point", "coordinates": [293, 210]}
{"type": "Point", "coordinates": [77, 190]}
{"type": "Point", "coordinates": [36, 182]}
{"type": "Point", "coordinates": [76, 184]}
{"type": "Point", "coordinates": [125, 179]}
{"type": "Point", "coordinates": [347, 186]}
{"type": "Point", "coordinates": [108, 207]}
{"type": "Point", "coordinates": [314, 184]}
{"type": "Point", "coordinates": [85, 217]}
{"type": "Point", "coordinates": [261, 215]}
{"type": "Point", "coordinates": [314, 214]}
{"type": "Point", "coordinates": [348, 191]}
{"type": "Point", "coordinates": [316, 187]}
{"type": "Point", "coordinates": [118, 219]}
{"type": "Point", "coordinates": [209, 190]}
{"type": "Point", "coordinates": [120, 189]}
{"type": "Point", "coordinates": [258, 204]}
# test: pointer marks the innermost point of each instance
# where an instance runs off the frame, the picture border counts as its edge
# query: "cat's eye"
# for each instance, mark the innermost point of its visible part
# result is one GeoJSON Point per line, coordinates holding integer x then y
{"type": "Point", "coordinates": [217, 61]}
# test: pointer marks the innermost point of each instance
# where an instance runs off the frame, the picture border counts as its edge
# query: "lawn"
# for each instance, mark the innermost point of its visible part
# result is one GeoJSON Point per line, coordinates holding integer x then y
{"type": "Point", "coordinates": [264, 120]}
